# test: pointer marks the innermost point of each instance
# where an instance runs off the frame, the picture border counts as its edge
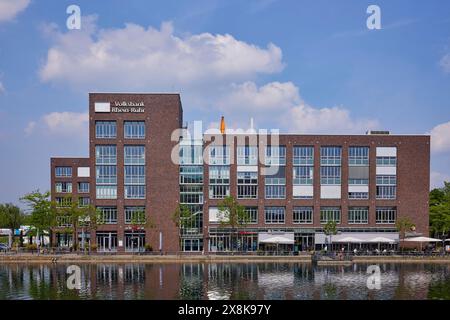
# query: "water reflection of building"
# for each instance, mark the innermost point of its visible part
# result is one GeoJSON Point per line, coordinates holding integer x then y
{"type": "Point", "coordinates": [251, 281]}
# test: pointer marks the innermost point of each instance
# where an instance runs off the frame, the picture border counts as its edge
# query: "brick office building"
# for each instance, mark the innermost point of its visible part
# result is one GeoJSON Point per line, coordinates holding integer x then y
{"type": "Point", "coordinates": [290, 185]}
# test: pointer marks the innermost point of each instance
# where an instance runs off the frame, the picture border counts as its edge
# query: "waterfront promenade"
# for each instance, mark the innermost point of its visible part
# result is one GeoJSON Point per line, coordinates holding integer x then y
{"type": "Point", "coordinates": [135, 258]}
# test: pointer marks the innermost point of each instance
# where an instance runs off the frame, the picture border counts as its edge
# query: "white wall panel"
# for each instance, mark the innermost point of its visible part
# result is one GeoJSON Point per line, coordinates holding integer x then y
{"type": "Point", "coordinates": [388, 171]}
{"type": "Point", "coordinates": [303, 191]}
{"type": "Point", "coordinates": [102, 107]}
{"type": "Point", "coordinates": [330, 192]}
{"type": "Point", "coordinates": [84, 172]}
{"type": "Point", "coordinates": [386, 151]}
{"type": "Point", "coordinates": [359, 188]}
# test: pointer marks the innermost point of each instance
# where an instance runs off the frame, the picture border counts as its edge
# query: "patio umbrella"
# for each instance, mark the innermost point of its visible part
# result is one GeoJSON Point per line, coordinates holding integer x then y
{"type": "Point", "coordinates": [349, 240]}
{"type": "Point", "coordinates": [277, 240]}
{"type": "Point", "coordinates": [381, 240]}
{"type": "Point", "coordinates": [421, 240]}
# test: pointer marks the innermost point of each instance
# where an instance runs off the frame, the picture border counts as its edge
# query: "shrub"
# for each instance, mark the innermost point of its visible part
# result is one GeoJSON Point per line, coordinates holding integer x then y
{"type": "Point", "coordinates": [148, 247]}
{"type": "Point", "coordinates": [31, 247]}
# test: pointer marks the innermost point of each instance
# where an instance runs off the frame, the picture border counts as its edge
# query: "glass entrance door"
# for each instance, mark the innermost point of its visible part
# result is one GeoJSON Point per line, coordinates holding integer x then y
{"type": "Point", "coordinates": [106, 241]}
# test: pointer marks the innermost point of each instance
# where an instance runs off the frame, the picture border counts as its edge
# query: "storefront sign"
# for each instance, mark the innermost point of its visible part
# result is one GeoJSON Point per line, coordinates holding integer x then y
{"type": "Point", "coordinates": [128, 106]}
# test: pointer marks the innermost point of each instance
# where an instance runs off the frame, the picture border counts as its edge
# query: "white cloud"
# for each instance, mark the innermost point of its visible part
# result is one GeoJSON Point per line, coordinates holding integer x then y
{"type": "Point", "coordinates": [138, 58]}
{"type": "Point", "coordinates": [61, 124]}
{"type": "Point", "coordinates": [440, 138]}
{"type": "Point", "coordinates": [445, 63]}
{"type": "Point", "coordinates": [437, 179]}
{"type": "Point", "coordinates": [280, 104]}
{"type": "Point", "coordinates": [29, 129]}
{"type": "Point", "coordinates": [9, 9]}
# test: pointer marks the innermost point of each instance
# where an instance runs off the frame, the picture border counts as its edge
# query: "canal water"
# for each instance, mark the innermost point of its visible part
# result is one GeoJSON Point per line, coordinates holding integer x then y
{"type": "Point", "coordinates": [225, 281]}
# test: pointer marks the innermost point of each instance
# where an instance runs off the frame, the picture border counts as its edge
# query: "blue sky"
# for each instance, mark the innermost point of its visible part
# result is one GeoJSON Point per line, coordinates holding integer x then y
{"type": "Point", "coordinates": [301, 66]}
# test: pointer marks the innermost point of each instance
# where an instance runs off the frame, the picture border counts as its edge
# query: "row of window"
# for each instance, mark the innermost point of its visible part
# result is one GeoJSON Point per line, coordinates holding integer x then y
{"type": "Point", "coordinates": [67, 201]}
{"type": "Point", "coordinates": [304, 215]}
{"type": "Point", "coordinates": [276, 155]}
{"type": "Point", "coordinates": [106, 172]}
{"type": "Point", "coordinates": [108, 215]}
{"type": "Point", "coordinates": [131, 129]}
{"type": "Point", "coordinates": [130, 192]}
{"type": "Point", "coordinates": [107, 155]}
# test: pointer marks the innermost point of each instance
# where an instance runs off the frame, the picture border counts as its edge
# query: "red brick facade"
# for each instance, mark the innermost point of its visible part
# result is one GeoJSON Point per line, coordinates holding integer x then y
{"type": "Point", "coordinates": [163, 114]}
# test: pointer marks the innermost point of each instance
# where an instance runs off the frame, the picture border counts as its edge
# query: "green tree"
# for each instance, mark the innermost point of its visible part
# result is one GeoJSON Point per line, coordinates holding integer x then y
{"type": "Point", "coordinates": [184, 218]}
{"type": "Point", "coordinates": [139, 221]}
{"type": "Point", "coordinates": [80, 218]}
{"type": "Point", "coordinates": [403, 225]}
{"type": "Point", "coordinates": [233, 215]}
{"type": "Point", "coordinates": [11, 217]}
{"type": "Point", "coordinates": [42, 212]}
{"type": "Point", "coordinates": [330, 229]}
{"type": "Point", "coordinates": [440, 211]}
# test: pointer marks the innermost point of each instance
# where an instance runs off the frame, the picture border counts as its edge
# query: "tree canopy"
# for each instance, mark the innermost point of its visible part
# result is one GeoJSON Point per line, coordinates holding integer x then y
{"type": "Point", "coordinates": [440, 211]}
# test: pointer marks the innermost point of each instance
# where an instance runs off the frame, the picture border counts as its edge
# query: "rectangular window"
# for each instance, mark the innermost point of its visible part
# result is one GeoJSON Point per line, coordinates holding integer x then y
{"type": "Point", "coordinates": [134, 175]}
{"type": "Point", "coordinates": [191, 175]}
{"type": "Point", "coordinates": [63, 187]}
{"type": "Point", "coordinates": [191, 155]}
{"type": "Point", "coordinates": [330, 214]}
{"type": "Point", "coordinates": [358, 215]}
{"type": "Point", "coordinates": [106, 175]}
{"type": "Point", "coordinates": [358, 195]}
{"type": "Point", "coordinates": [247, 184]}
{"type": "Point", "coordinates": [303, 156]}
{"type": "Point", "coordinates": [330, 175]}
{"type": "Point", "coordinates": [247, 155]}
{"type": "Point", "coordinates": [83, 201]}
{"type": "Point", "coordinates": [106, 154]}
{"type": "Point", "coordinates": [134, 192]}
{"type": "Point", "coordinates": [386, 161]}
{"type": "Point", "coordinates": [386, 180]}
{"type": "Point", "coordinates": [83, 187]}
{"type": "Point", "coordinates": [134, 129]}
{"type": "Point", "coordinates": [303, 175]}
{"type": "Point", "coordinates": [252, 214]}
{"type": "Point", "coordinates": [386, 192]}
{"type": "Point", "coordinates": [275, 156]}
{"type": "Point", "coordinates": [330, 156]}
{"type": "Point", "coordinates": [358, 156]}
{"type": "Point", "coordinates": [303, 214]}
{"type": "Point", "coordinates": [64, 221]}
{"type": "Point", "coordinates": [219, 155]}
{"type": "Point", "coordinates": [106, 192]}
{"type": "Point", "coordinates": [274, 214]}
{"type": "Point", "coordinates": [191, 194]}
{"type": "Point", "coordinates": [63, 201]}
{"type": "Point", "coordinates": [134, 155]}
{"type": "Point", "coordinates": [219, 191]}
{"type": "Point", "coordinates": [63, 171]}
{"type": "Point", "coordinates": [386, 187]}
{"type": "Point", "coordinates": [219, 182]}
{"type": "Point", "coordinates": [135, 215]}
{"type": "Point", "coordinates": [275, 184]}
{"type": "Point", "coordinates": [108, 215]}
{"type": "Point", "coordinates": [105, 129]}
{"type": "Point", "coordinates": [386, 215]}
{"type": "Point", "coordinates": [355, 182]}
{"type": "Point", "coordinates": [275, 192]}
